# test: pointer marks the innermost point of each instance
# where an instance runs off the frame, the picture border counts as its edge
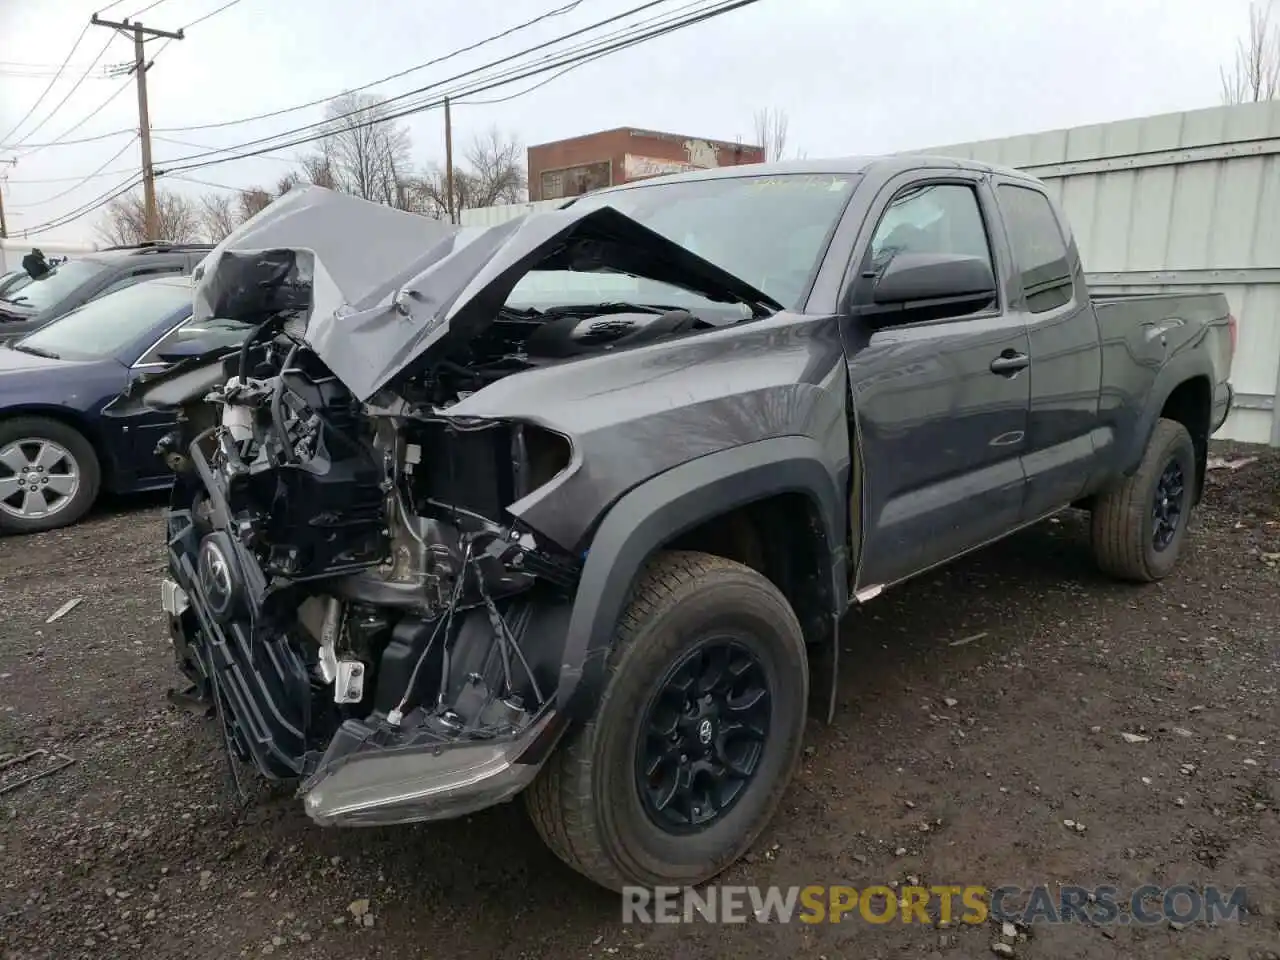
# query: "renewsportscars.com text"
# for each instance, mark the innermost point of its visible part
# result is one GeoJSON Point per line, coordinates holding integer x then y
{"type": "Point", "coordinates": [965, 904]}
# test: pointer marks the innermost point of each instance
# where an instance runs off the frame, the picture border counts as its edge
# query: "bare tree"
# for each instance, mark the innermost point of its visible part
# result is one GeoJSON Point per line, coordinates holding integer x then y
{"type": "Point", "coordinates": [363, 153]}
{"type": "Point", "coordinates": [288, 182]}
{"type": "Point", "coordinates": [125, 221]}
{"type": "Point", "coordinates": [771, 132]}
{"type": "Point", "coordinates": [318, 168]}
{"type": "Point", "coordinates": [1255, 73]}
{"type": "Point", "coordinates": [218, 215]}
{"type": "Point", "coordinates": [492, 175]}
{"type": "Point", "coordinates": [496, 171]}
{"type": "Point", "coordinates": [253, 200]}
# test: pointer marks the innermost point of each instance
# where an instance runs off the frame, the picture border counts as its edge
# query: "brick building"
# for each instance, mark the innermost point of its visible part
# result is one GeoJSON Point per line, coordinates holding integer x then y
{"type": "Point", "coordinates": [567, 168]}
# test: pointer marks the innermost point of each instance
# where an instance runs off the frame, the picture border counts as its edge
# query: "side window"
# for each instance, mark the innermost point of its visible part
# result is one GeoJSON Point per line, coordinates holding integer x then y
{"type": "Point", "coordinates": [1039, 249]}
{"type": "Point", "coordinates": [214, 333]}
{"type": "Point", "coordinates": [935, 218]}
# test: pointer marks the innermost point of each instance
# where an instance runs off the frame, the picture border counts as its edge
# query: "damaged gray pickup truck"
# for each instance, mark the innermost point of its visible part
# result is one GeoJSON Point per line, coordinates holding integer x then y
{"type": "Point", "coordinates": [572, 506]}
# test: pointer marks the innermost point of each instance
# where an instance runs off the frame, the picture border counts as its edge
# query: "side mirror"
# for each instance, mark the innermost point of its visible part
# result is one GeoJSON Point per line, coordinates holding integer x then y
{"type": "Point", "coordinates": [184, 350]}
{"type": "Point", "coordinates": [936, 280]}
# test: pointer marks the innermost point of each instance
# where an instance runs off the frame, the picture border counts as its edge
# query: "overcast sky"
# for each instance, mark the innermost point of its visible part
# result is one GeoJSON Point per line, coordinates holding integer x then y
{"type": "Point", "coordinates": [854, 77]}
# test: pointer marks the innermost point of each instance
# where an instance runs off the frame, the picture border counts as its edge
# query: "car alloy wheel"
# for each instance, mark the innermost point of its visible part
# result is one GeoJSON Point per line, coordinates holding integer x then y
{"type": "Point", "coordinates": [1167, 505]}
{"type": "Point", "coordinates": [38, 478]}
{"type": "Point", "coordinates": [702, 735]}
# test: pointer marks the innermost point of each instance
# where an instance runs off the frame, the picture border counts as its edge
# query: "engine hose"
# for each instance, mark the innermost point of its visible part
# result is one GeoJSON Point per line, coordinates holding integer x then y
{"type": "Point", "coordinates": [277, 407]}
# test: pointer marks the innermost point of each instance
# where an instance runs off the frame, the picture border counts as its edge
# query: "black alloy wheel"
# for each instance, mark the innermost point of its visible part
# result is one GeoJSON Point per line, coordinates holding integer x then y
{"type": "Point", "coordinates": [1168, 504]}
{"type": "Point", "coordinates": [1140, 522]}
{"type": "Point", "coordinates": [702, 736]}
{"type": "Point", "coordinates": [694, 737]}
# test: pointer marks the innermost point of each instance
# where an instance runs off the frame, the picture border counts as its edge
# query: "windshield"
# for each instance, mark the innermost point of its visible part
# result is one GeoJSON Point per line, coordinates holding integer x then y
{"type": "Point", "coordinates": [49, 290]}
{"type": "Point", "coordinates": [105, 327]}
{"type": "Point", "coordinates": [770, 231]}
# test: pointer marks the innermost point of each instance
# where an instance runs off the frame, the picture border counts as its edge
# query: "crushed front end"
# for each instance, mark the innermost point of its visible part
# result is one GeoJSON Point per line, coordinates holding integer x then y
{"type": "Point", "coordinates": [342, 586]}
{"type": "Point", "coordinates": [351, 585]}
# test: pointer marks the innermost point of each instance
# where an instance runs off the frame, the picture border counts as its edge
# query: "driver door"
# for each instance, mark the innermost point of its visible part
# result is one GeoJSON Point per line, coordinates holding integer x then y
{"type": "Point", "coordinates": [940, 404]}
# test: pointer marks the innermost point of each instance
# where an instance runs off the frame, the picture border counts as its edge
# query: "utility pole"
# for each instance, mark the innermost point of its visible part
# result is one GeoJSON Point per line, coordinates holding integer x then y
{"type": "Point", "coordinates": [4, 228]}
{"type": "Point", "coordinates": [448, 161]}
{"type": "Point", "coordinates": [140, 35]}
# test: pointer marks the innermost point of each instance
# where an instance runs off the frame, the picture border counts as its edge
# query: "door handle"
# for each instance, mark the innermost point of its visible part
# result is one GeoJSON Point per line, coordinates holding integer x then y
{"type": "Point", "coordinates": [1009, 363]}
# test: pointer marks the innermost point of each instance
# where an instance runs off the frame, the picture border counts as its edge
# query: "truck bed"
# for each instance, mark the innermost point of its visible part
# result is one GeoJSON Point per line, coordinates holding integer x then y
{"type": "Point", "coordinates": [1179, 316]}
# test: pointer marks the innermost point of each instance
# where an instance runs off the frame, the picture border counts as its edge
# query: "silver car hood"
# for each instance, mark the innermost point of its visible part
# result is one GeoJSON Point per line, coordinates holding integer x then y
{"type": "Point", "coordinates": [389, 287]}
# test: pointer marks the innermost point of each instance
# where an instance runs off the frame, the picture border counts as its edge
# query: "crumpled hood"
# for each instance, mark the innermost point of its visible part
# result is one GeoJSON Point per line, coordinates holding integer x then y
{"type": "Point", "coordinates": [388, 286]}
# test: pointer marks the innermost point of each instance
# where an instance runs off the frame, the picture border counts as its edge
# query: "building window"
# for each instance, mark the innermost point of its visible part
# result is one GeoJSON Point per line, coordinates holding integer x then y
{"type": "Point", "coordinates": [575, 181]}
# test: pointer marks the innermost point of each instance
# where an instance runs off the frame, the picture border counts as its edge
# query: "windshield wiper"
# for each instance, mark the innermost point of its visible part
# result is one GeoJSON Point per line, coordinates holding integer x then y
{"type": "Point", "coordinates": [37, 351]}
{"type": "Point", "coordinates": [15, 299]}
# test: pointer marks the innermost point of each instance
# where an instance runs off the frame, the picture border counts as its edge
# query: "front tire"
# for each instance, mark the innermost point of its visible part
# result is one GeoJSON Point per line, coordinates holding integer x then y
{"type": "Point", "coordinates": [696, 735]}
{"type": "Point", "coordinates": [1139, 525]}
{"type": "Point", "coordinates": [49, 475]}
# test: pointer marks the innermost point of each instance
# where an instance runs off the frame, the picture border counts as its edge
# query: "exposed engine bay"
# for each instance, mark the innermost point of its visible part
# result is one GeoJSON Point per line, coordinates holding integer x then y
{"type": "Point", "coordinates": [352, 553]}
{"type": "Point", "coordinates": [347, 586]}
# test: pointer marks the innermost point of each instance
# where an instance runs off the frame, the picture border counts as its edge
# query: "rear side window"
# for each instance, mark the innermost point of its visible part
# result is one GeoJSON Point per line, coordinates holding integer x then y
{"type": "Point", "coordinates": [1039, 249]}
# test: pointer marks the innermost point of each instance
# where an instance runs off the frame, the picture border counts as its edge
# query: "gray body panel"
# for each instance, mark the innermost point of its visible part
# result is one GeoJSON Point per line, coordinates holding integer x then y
{"type": "Point", "coordinates": [634, 415]}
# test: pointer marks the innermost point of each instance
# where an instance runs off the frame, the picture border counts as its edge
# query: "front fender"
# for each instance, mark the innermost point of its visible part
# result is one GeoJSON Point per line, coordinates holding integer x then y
{"type": "Point", "coordinates": [670, 504]}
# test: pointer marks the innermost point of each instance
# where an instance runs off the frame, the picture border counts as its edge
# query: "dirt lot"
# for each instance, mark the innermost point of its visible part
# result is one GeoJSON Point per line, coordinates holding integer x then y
{"type": "Point", "coordinates": [136, 850]}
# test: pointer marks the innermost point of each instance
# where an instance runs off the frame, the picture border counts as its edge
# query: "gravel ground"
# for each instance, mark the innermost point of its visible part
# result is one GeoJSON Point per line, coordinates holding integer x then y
{"type": "Point", "coordinates": [991, 696]}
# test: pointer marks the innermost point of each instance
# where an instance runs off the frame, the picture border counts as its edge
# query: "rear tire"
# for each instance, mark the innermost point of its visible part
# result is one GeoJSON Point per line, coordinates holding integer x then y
{"type": "Point", "coordinates": [1135, 535]}
{"type": "Point", "coordinates": [594, 802]}
{"type": "Point", "coordinates": [63, 470]}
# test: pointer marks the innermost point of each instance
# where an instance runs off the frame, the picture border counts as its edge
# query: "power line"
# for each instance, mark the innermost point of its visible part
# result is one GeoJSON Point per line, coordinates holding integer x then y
{"type": "Point", "coordinates": [39, 73]}
{"type": "Point", "coordinates": [214, 13]}
{"type": "Point", "coordinates": [77, 179]}
{"type": "Point", "coordinates": [558, 11]}
{"type": "Point", "coordinates": [62, 141]}
{"type": "Point", "coordinates": [82, 180]}
{"type": "Point", "coordinates": [30, 65]}
{"type": "Point", "coordinates": [208, 183]}
{"type": "Point", "coordinates": [520, 93]}
{"type": "Point", "coordinates": [488, 83]}
{"type": "Point", "coordinates": [150, 6]}
{"type": "Point", "coordinates": [205, 146]}
{"type": "Point", "coordinates": [40, 99]}
{"type": "Point", "coordinates": [327, 124]}
{"type": "Point", "coordinates": [54, 112]}
{"type": "Point", "coordinates": [480, 86]}
{"type": "Point", "coordinates": [100, 201]}
{"type": "Point", "coordinates": [483, 84]}
{"type": "Point", "coordinates": [559, 73]}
